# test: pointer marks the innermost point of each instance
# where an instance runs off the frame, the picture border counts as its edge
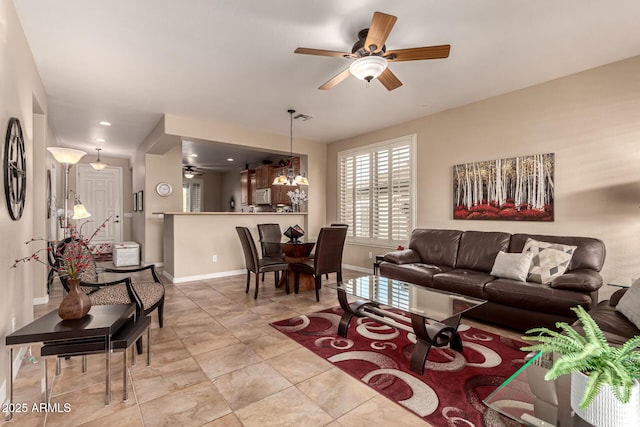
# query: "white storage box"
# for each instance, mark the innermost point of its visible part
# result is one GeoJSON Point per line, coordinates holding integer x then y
{"type": "Point", "coordinates": [126, 254]}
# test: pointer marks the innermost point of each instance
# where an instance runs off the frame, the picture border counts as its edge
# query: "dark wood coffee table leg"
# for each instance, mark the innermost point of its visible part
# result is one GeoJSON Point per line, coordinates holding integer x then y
{"type": "Point", "coordinates": [350, 310]}
{"type": "Point", "coordinates": [456, 341]}
{"type": "Point", "coordinates": [427, 336]}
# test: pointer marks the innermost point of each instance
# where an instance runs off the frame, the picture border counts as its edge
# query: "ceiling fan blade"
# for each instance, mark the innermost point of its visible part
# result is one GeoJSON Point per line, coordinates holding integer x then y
{"type": "Point", "coordinates": [389, 80]}
{"type": "Point", "coordinates": [322, 52]}
{"type": "Point", "coordinates": [418, 53]}
{"type": "Point", "coordinates": [381, 25]}
{"type": "Point", "coordinates": [335, 80]}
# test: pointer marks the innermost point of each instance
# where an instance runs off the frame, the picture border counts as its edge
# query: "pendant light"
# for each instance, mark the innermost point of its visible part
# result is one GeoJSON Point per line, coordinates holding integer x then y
{"type": "Point", "coordinates": [79, 210]}
{"type": "Point", "coordinates": [291, 178]}
{"type": "Point", "coordinates": [98, 164]}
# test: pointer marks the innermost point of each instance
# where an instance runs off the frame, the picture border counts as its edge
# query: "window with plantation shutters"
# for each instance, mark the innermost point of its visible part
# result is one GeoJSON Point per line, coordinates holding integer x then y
{"type": "Point", "coordinates": [377, 191]}
{"type": "Point", "coordinates": [192, 195]}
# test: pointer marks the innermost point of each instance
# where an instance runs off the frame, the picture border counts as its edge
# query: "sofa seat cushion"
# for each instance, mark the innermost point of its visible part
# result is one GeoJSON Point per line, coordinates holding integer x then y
{"type": "Point", "coordinates": [535, 296]}
{"type": "Point", "coordinates": [462, 281]}
{"type": "Point", "coordinates": [417, 273]}
{"type": "Point", "coordinates": [616, 327]}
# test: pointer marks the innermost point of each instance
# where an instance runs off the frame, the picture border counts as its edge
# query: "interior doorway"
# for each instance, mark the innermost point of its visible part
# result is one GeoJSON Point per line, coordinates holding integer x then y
{"type": "Point", "coordinates": [101, 193]}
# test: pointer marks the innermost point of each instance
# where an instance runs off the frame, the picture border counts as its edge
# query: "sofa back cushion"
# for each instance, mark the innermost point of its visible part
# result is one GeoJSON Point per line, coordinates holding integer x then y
{"type": "Point", "coordinates": [436, 247]}
{"type": "Point", "coordinates": [590, 253]}
{"type": "Point", "coordinates": [478, 249]}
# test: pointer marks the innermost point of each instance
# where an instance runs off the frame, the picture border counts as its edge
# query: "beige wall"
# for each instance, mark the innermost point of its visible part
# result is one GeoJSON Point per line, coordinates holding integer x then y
{"type": "Point", "coordinates": [160, 168]}
{"type": "Point", "coordinates": [21, 95]}
{"type": "Point", "coordinates": [589, 120]}
{"type": "Point", "coordinates": [212, 194]}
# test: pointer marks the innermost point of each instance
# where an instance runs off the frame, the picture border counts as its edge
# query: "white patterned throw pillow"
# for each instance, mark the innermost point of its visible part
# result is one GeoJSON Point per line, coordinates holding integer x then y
{"type": "Point", "coordinates": [512, 266]}
{"type": "Point", "coordinates": [549, 260]}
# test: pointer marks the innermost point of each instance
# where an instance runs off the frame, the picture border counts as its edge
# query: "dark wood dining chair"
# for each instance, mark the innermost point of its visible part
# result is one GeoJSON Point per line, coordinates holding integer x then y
{"type": "Point", "coordinates": [331, 225]}
{"type": "Point", "coordinates": [270, 236]}
{"type": "Point", "coordinates": [256, 264]}
{"type": "Point", "coordinates": [327, 259]}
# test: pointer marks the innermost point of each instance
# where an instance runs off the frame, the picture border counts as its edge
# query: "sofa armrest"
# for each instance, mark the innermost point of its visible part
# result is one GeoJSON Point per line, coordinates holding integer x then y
{"type": "Point", "coordinates": [615, 298]}
{"type": "Point", "coordinates": [406, 256]}
{"type": "Point", "coordinates": [583, 280]}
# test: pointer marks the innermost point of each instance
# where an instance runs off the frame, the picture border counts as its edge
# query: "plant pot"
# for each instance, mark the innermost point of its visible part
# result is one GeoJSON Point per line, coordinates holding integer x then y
{"type": "Point", "coordinates": [605, 410]}
{"type": "Point", "coordinates": [76, 304]}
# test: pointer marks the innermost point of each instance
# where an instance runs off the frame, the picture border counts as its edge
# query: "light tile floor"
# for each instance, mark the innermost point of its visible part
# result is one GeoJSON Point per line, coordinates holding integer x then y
{"type": "Point", "coordinates": [216, 363]}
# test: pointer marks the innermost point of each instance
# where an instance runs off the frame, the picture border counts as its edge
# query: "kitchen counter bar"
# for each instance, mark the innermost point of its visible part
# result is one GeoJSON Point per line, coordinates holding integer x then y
{"type": "Point", "coordinates": [202, 245]}
{"type": "Point", "coordinates": [229, 213]}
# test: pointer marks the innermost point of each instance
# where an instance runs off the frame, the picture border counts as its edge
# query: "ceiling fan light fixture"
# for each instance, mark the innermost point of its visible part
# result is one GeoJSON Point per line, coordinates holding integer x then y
{"type": "Point", "coordinates": [188, 174]}
{"type": "Point", "coordinates": [368, 67]}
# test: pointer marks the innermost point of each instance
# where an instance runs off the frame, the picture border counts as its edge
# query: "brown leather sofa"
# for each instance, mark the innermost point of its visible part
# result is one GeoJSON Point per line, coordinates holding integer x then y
{"type": "Point", "coordinates": [460, 262]}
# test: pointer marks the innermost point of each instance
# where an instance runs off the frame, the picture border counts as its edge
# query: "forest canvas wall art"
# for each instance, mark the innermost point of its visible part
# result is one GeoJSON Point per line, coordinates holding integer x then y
{"type": "Point", "coordinates": [515, 189]}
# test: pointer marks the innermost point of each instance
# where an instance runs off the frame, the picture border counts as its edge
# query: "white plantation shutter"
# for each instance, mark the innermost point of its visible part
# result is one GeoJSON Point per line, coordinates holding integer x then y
{"type": "Point", "coordinates": [192, 195]}
{"type": "Point", "coordinates": [377, 191]}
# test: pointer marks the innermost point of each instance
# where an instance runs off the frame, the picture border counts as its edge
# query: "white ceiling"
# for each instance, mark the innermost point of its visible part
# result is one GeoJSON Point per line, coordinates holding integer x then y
{"type": "Point", "coordinates": [130, 61]}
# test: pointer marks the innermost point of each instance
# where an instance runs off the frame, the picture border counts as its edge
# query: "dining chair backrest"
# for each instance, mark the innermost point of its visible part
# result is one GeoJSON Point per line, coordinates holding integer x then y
{"type": "Point", "coordinates": [270, 233]}
{"type": "Point", "coordinates": [329, 248]}
{"type": "Point", "coordinates": [252, 261]}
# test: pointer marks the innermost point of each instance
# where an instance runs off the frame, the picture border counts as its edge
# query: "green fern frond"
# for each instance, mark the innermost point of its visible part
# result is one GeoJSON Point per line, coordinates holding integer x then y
{"type": "Point", "coordinates": [617, 367]}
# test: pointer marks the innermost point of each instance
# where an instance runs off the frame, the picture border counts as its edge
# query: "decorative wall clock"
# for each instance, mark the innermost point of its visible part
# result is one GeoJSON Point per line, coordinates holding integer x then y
{"type": "Point", "coordinates": [164, 189]}
{"type": "Point", "coordinates": [15, 169]}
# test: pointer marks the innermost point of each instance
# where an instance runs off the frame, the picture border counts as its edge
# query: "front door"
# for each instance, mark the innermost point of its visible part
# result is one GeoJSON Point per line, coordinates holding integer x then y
{"type": "Point", "coordinates": [101, 193]}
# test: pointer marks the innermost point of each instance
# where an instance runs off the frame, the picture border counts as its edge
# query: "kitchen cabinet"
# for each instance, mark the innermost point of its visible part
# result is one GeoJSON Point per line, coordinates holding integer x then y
{"type": "Point", "coordinates": [279, 194]}
{"type": "Point", "coordinates": [263, 177]}
{"type": "Point", "coordinates": [247, 189]}
{"type": "Point", "coordinates": [252, 187]}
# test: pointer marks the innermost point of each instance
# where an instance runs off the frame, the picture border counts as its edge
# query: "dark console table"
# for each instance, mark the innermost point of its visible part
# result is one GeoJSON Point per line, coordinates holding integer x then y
{"type": "Point", "coordinates": [101, 322]}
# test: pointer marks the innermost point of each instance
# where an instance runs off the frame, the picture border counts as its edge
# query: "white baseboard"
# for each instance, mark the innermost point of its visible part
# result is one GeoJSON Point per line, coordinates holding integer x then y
{"type": "Point", "coordinates": [202, 276]}
{"type": "Point", "coordinates": [41, 300]}
{"type": "Point", "coordinates": [184, 279]}
{"type": "Point", "coordinates": [17, 363]}
{"type": "Point", "coordinates": [357, 268]}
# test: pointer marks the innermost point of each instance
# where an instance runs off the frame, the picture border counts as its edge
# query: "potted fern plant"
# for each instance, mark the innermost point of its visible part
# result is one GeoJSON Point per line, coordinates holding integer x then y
{"type": "Point", "coordinates": [600, 373]}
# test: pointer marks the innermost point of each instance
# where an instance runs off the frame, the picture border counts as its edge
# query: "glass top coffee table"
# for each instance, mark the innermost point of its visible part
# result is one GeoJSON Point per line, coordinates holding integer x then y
{"type": "Point", "coordinates": [432, 315]}
{"type": "Point", "coordinates": [531, 400]}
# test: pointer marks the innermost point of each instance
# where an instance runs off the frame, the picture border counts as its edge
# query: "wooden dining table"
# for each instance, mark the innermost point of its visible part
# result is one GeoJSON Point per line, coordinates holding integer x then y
{"type": "Point", "coordinates": [297, 252]}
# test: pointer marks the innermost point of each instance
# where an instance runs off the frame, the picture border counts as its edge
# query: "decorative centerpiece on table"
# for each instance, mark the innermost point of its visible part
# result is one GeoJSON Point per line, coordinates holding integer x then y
{"type": "Point", "coordinates": [297, 198]}
{"type": "Point", "coordinates": [604, 379]}
{"type": "Point", "coordinates": [73, 260]}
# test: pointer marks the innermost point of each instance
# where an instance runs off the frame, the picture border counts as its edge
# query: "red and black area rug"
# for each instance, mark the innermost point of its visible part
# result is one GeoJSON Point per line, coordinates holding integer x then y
{"type": "Point", "coordinates": [450, 392]}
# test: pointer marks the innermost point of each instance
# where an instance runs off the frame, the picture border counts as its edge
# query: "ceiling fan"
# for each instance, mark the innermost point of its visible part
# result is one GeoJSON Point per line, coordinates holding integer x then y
{"type": "Point", "coordinates": [191, 171]}
{"type": "Point", "coordinates": [371, 56]}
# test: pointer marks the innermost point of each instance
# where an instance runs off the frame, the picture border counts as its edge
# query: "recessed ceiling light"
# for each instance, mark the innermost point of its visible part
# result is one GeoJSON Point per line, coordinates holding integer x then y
{"type": "Point", "coordinates": [99, 139]}
{"type": "Point", "coordinates": [194, 155]}
{"type": "Point", "coordinates": [229, 159]}
{"type": "Point", "coordinates": [105, 123]}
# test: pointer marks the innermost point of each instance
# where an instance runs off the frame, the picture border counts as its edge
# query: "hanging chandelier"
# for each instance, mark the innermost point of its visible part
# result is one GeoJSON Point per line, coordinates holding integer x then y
{"type": "Point", "coordinates": [98, 164]}
{"type": "Point", "coordinates": [291, 178]}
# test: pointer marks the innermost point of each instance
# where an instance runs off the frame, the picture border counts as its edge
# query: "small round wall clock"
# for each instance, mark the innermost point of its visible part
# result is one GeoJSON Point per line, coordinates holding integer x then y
{"type": "Point", "coordinates": [15, 169]}
{"type": "Point", "coordinates": [164, 189]}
